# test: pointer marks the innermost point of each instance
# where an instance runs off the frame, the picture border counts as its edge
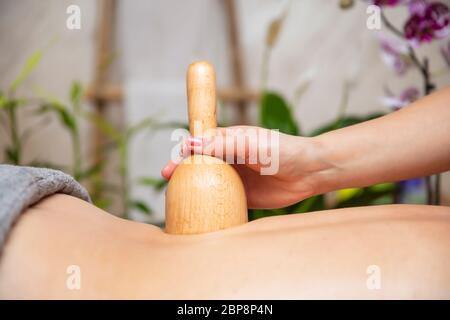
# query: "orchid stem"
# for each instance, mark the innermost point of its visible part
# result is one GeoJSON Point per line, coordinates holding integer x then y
{"type": "Point", "coordinates": [389, 25]}
{"type": "Point", "coordinates": [428, 87]}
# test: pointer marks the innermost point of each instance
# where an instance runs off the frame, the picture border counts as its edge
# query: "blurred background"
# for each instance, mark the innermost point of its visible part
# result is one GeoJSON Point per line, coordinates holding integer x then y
{"type": "Point", "coordinates": [95, 88]}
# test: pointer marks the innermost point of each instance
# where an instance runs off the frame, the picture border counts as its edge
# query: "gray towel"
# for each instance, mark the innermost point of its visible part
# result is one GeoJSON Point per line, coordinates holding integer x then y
{"type": "Point", "coordinates": [21, 187]}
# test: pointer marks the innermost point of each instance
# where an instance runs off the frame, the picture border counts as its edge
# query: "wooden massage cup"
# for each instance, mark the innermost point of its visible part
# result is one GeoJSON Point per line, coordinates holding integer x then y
{"type": "Point", "coordinates": [204, 194]}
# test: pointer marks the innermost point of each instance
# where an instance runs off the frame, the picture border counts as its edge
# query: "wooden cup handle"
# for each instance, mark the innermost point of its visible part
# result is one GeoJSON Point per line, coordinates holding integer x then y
{"type": "Point", "coordinates": [201, 94]}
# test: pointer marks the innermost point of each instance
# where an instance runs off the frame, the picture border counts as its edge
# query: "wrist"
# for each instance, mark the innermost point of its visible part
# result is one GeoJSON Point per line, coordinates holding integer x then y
{"type": "Point", "coordinates": [321, 166]}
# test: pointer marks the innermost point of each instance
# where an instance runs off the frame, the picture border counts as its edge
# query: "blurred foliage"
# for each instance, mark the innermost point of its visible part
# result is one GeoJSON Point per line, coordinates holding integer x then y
{"type": "Point", "coordinates": [119, 141]}
{"type": "Point", "coordinates": [70, 116]}
{"type": "Point", "coordinates": [346, 4]}
{"type": "Point", "coordinates": [276, 114]}
{"type": "Point", "coordinates": [345, 122]}
{"type": "Point", "coordinates": [156, 183]}
{"type": "Point", "coordinates": [28, 67]}
{"type": "Point", "coordinates": [9, 104]}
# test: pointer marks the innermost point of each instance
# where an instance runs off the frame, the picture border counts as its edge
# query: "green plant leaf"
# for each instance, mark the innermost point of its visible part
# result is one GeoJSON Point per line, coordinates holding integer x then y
{"type": "Point", "coordinates": [91, 171]}
{"type": "Point", "coordinates": [146, 123]}
{"type": "Point", "coordinates": [53, 104]}
{"type": "Point", "coordinates": [315, 203]}
{"type": "Point", "coordinates": [12, 155]}
{"type": "Point", "coordinates": [76, 92]}
{"type": "Point", "coordinates": [28, 67]}
{"type": "Point", "coordinates": [276, 114]}
{"type": "Point", "coordinates": [348, 193]}
{"type": "Point", "coordinates": [101, 187]}
{"type": "Point", "coordinates": [66, 118]}
{"type": "Point", "coordinates": [346, 4]}
{"type": "Point", "coordinates": [254, 214]}
{"type": "Point", "coordinates": [386, 199]}
{"type": "Point", "coordinates": [105, 127]}
{"type": "Point", "coordinates": [156, 183]}
{"type": "Point", "coordinates": [140, 205]}
{"type": "Point", "coordinates": [102, 203]}
{"type": "Point", "coordinates": [368, 196]}
{"type": "Point", "coordinates": [152, 124]}
{"type": "Point", "coordinates": [3, 102]}
{"type": "Point", "coordinates": [383, 187]}
{"type": "Point", "coordinates": [345, 122]}
{"type": "Point", "coordinates": [11, 104]}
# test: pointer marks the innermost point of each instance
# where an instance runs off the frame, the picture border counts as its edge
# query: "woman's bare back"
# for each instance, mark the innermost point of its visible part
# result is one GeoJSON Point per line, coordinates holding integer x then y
{"type": "Point", "coordinates": [75, 250]}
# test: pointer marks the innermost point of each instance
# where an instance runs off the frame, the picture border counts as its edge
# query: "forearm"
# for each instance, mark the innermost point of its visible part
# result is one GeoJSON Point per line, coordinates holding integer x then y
{"type": "Point", "coordinates": [412, 142]}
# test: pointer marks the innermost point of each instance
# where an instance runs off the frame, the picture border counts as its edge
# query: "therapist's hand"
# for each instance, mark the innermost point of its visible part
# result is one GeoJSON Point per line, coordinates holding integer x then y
{"type": "Point", "coordinates": [286, 179]}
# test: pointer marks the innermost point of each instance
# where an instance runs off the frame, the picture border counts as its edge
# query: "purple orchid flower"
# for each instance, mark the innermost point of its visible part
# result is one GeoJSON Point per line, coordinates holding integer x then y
{"type": "Point", "coordinates": [428, 21]}
{"type": "Point", "coordinates": [417, 7]}
{"type": "Point", "coordinates": [394, 53]}
{"type": "Point", "coordinates": [412, 191]}
{"type": "Point", "coordinates": [387, 3]}
{"type": "Point", "coordinates": [412, 184]}
{"type": "Point", "coordinates": [407, 96]}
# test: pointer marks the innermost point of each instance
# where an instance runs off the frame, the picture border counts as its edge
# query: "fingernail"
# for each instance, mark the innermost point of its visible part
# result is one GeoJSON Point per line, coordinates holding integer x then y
{"type": "Point", "coordinates": [164, 173]}
{"type": "Point", "coordinates": [196, 142]}
{"type": "Point", "coordinates": [184, 150]}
